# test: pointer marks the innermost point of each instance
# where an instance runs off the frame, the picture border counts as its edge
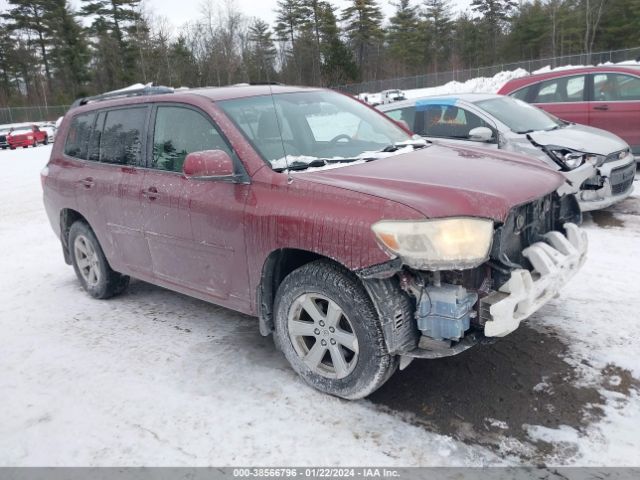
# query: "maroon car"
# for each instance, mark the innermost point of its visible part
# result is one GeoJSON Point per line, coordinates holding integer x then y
{"type": "Point", "coordinates": [606, 97]}
{"type": "Point", "coordinates": [356, 244]}
{"type": "Point", "coordinates": [25, 137]}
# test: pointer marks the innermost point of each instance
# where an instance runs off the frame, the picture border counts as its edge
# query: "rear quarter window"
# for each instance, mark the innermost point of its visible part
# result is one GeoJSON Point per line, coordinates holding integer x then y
{"type": "Point", "coordinates": [77, 140]}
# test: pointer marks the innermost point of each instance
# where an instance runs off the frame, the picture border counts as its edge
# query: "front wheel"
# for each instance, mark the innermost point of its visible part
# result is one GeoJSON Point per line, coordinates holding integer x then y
{"type": "Point", "coordinates": [328, 329]}
{"type": "Point", "coordinates": [45, 141]}
{"type": "Point", "coordinates": [90, 264]}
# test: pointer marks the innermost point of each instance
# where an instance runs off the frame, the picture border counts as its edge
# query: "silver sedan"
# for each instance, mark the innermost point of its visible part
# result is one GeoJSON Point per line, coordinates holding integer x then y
{"type": "Point", "coordinates": [598, 165]}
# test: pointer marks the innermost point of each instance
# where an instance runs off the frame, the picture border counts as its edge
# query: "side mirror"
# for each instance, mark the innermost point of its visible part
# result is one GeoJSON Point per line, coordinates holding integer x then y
{"type": "Point", "coordinates": [480, 134]}
{"type": "Point", "coordinates": [208, 164]}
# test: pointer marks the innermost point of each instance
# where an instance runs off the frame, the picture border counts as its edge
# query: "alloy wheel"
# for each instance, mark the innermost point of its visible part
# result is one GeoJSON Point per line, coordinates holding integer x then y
{"type": "Point", "coordinates": [322, 336]}
{"type": "Point", "coordinates": [87, 260]}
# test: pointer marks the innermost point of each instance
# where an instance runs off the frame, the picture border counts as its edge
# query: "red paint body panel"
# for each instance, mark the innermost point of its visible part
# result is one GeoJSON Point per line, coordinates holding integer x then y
{"type": "Point", "coordinates": [621, 117]}
{"type": "Point", "coordinates": [210, 239]}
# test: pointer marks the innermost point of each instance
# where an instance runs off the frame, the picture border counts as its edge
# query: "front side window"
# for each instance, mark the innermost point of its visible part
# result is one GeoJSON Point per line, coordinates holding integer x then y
{"type": "Point", "coordinates": [312, 125]}
{"type": "Point", "coordinates": [179, 131]}
{"type": "Point", "coordinates": [519, 116]}
{"type": "Point", "coordinates": [77, 140]}
{"type": "Point", "coordinates": [121, 138]}
{"type": "Point", "coordinates": [447, 121]}
{"type": "Point", "coordinates": [608, 87]}
{"type": "Point", "coordinates": [561, 90]}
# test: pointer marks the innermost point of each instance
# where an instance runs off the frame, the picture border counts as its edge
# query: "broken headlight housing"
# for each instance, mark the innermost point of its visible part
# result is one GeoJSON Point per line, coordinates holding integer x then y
{"type": "Point", "coordinates": [572, 159]}
{"type": "Point", "coordinates": [438, 244]}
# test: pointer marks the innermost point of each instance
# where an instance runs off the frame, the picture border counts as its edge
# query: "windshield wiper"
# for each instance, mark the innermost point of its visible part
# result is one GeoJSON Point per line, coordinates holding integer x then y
{"type": "Point", "coordinates": [319, 162]}
{"type": "Point", "coordinates": [416, 144]}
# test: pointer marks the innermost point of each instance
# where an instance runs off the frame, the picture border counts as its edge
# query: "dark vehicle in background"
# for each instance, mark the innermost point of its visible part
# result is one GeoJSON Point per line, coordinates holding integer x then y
{"type": "Point", "coordinates": [4, 143]}
{"type": "Point", "coordinates": [27, 137]}
{"type": "Point", "coordinates": [606, 97]}
{"type": "Point", "coordinates": [358, 245]}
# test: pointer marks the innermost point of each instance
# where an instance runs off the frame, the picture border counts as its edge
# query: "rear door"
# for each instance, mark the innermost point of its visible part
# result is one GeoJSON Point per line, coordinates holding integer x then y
{"type": "Point", "coordinates": [564, 97]}
{"type": "Point", "coordinates": [118, 144]}
{"type": "Point", "coordinates": [194, 228]}
{"type": "Point", "coordinates": [615, 106]}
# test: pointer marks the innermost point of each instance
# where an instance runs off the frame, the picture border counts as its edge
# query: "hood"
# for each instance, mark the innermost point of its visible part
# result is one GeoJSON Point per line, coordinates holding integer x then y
{"type": "Point", "coordinates": [444, 181]}
{"type": "Point", "coordinates": [581, 138]}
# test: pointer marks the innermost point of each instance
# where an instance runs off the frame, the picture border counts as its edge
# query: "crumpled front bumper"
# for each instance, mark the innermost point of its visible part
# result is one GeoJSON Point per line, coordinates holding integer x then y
{"type": "Point", "coordinates": [554, 260]}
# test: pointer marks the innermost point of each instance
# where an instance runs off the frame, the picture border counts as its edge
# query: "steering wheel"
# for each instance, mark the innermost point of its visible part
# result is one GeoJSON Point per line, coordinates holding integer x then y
{"type": "Point", "coordinates": [337, 138]}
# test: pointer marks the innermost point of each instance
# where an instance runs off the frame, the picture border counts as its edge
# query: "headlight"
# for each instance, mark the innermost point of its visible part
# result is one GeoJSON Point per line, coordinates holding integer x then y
{"type": "Point", "coordinates": [569, 158]}
{"type": "Point", "coordinates": [439, 244]}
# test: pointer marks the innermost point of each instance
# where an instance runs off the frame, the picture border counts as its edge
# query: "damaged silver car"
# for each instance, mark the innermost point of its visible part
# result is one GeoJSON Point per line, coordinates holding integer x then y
{"type": "Point", "coordinates": [598, 165]}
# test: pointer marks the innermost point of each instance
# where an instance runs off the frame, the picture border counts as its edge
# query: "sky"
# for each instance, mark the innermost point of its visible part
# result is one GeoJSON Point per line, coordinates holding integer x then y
{"type": "Point", "coordinates": [179, 12]}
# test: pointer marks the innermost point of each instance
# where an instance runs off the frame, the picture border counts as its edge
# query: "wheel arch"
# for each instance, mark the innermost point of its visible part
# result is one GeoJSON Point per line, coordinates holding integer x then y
{"type": "Point", "coordinates": [278, 264]}
{"type": "Point", "coordinates": [68, 217]}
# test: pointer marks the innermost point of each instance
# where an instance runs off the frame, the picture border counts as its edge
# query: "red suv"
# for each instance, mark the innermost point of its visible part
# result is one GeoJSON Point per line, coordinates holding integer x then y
{"type": "Point", "coordinates": [27, 137]}
{"type": "Point", "coordinates": [358, 245]}
{"type": "Point", "coordinates": [605, 97]}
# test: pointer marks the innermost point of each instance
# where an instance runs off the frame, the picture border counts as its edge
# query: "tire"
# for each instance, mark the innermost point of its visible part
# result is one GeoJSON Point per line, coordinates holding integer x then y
{"type": "Point", "coordinates": [365, 365]}
{"type": "Point", "coordinates": [45, 141]}
{"type": "Point", "coordinates": [35, 143]}
{"type": "Point", "coordinates": [90, 264]}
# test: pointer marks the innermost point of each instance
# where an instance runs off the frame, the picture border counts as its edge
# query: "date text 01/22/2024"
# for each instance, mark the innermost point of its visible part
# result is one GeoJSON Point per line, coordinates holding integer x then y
{"type": "Point", "coordinates": [316, 472]}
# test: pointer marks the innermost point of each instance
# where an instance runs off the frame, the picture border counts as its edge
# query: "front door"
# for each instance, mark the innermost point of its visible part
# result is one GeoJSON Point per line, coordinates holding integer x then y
{"type": "Point", "coordinates": [194, 228]}
{"type": "Point", "coordinates": [615, 106]}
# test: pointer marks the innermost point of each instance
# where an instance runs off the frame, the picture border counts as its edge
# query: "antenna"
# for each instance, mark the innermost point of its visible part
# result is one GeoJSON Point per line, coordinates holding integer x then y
{"type": "Point", "coordinates": [284, 151]}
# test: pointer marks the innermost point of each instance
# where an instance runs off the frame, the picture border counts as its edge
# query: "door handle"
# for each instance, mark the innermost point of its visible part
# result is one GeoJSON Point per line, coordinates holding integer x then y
{"type": "Point", "coordinates": [87, 182]}
{"type": "Point", "coordinates": [601, 107]}
{"type": "Point", "coordinates": [151, 193]}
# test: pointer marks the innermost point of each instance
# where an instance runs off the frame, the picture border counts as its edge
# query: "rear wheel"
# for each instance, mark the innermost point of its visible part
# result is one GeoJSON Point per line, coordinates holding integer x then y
{"type": "Point", "coordinates": [46, 140]}
{"type": "Point", "coordinates": [329, 331]}
{"type": "Point", "coordinates": [90, 264]}
{"type": "Point", "coordinates": [35, 143]}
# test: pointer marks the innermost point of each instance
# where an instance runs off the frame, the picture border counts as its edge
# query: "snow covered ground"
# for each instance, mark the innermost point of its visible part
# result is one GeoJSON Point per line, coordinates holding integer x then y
{"type": "Point", "coordinates": [157, 378]}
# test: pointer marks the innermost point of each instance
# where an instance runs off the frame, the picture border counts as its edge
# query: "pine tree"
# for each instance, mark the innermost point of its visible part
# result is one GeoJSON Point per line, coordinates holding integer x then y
{"type": "Point", "coordinates": [338, 65]}
{"type": "Point", "coordinates": [262, 53]}
{"type": "Point", "coordinates": [69, 50]}
{"type": "Point", "coordinates": [27, 16]}
{"type": "Point", "coordinates": [403, 38]}
{"type": "Point", "coordinates": [114, 24]}
{"type": "Point", "coordinates": [363, 20]}
{"type": "Point", "coordinates": [438, 31]}
{"type": "Point", "coordinates": [495, 15]}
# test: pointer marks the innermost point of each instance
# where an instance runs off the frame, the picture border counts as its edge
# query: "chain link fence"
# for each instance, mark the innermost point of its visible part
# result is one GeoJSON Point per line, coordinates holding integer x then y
{"type": "Point", "coordinates": [440, 78]}
{"type": "Point", "coordinates": [31, 114]}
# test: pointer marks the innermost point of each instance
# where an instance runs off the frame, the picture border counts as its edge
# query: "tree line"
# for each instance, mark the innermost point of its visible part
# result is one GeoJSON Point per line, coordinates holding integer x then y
{"type": "Point", "coordinates": [51, 53]}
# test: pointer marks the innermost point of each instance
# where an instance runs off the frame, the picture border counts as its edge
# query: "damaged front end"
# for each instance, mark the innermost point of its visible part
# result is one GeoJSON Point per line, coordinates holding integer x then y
{"type": "Point", "coordinates": [598, 181]}
{"type": "Point", "coordinates": [442, 312]}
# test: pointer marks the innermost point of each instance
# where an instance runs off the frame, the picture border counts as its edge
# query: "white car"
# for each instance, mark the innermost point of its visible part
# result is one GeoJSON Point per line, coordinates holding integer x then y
{"type": "Point", "coordinates": [598, 165]}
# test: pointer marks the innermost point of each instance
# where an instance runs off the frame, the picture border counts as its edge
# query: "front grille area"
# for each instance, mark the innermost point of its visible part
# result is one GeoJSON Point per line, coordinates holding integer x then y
{"type": "Point", "coordinates": [622, 178]}
{"type": "Point", "coordinates": [526, 224]}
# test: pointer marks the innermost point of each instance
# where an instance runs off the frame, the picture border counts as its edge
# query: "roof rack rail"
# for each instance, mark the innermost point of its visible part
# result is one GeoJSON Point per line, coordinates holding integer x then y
{"type": "Point", "coordinates": [265, 83]}
{"type": "Point", "coordinates": [134, 92]}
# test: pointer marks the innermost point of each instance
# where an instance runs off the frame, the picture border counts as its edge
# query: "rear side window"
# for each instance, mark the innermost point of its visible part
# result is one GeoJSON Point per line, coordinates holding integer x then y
{"type": "Point", "coordinates": [180, 131]}
{"type": "Point", "coordinates": [78, 137]}
{"type": "Point", "coordinates": [561, 90]}
{"type": "Point", "coordinates": [121, 136]}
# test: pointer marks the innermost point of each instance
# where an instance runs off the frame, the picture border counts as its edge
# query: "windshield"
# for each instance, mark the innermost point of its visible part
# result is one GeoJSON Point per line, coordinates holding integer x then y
{"type": "Point", "coordinates": [518, 115]}
{"type": "Point", "coordinates": [314, 128]}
